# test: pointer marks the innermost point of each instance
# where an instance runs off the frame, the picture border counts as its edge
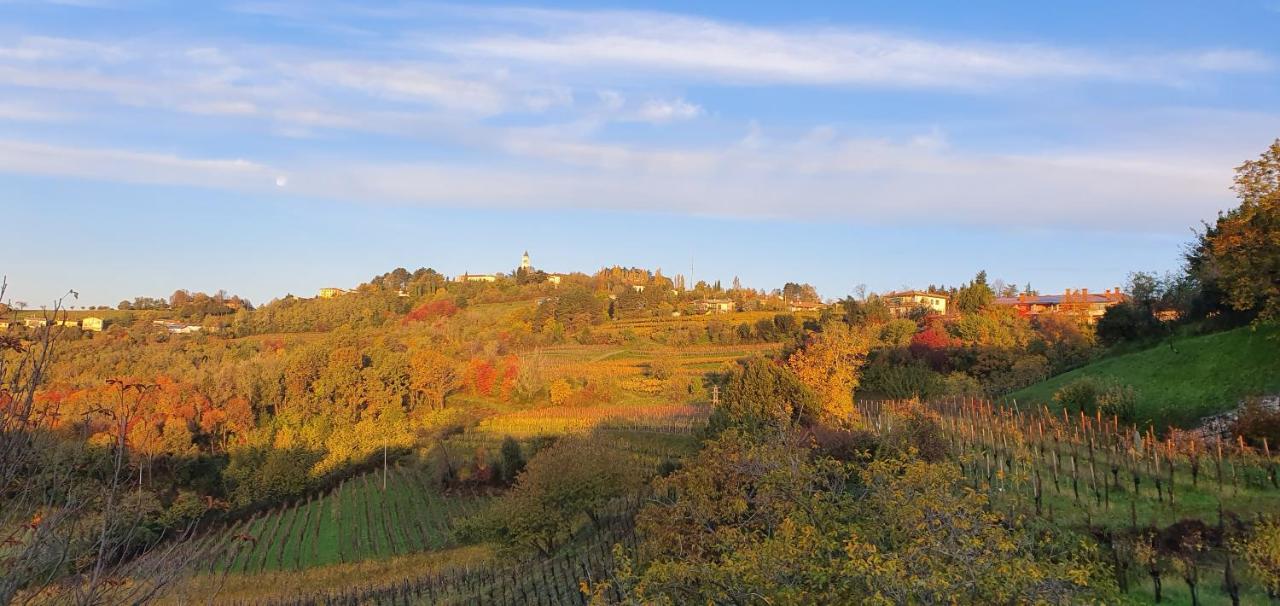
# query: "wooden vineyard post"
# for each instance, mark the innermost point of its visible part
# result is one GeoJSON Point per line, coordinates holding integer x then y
{"type": "Point", "coordinates": [1219, 465]}
{"type": "Point", "coordinates": [1038, 495]}
{"type": "Point", "coordinates": [1235, 476]}
{"type": "Point", "coordinates": [1056, 486]}
{"type": "Point", "coordinates": [1271, 464]}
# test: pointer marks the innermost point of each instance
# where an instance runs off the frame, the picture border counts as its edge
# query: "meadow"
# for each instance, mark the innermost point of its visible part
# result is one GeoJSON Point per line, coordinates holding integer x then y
{"type": "Point", "coordinates": [1180, 381]}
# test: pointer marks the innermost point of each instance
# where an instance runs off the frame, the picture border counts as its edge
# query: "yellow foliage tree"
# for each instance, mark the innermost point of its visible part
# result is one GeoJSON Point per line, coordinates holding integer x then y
{"type": "Point", "coordinates": [433, 376]}
{"type": "Point", "coordinates": [830, 364]}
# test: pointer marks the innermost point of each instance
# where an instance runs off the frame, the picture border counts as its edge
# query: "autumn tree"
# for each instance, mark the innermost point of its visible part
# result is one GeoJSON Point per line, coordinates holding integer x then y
{"type": "Point", "coordinates": [433, 376]}
{"type": "Point", "coordinates": [1242, 248]}
{"type": "Point", "coordinates": [829, 364]}
{"type": "Point", "coordinates": [871, 310]}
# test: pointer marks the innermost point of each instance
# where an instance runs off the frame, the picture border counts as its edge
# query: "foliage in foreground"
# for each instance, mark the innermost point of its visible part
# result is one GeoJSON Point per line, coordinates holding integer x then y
{"type": "Point", "coordinates": [756, 520]}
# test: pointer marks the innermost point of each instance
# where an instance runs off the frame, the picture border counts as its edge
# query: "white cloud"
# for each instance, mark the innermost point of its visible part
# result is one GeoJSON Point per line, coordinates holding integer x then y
{"type": "Point", "coordinates": [659, 111]}
{"type": "Point", "coordinates": [411, 81]}
{"type": "Point", "coordinates": [24, 157]}
{"type": "Point", "coordinates": [673, 46]}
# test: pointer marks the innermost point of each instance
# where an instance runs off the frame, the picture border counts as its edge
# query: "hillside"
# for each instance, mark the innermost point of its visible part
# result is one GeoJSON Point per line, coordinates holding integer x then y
{"type": "Point", "coordinates": [1205, 375]}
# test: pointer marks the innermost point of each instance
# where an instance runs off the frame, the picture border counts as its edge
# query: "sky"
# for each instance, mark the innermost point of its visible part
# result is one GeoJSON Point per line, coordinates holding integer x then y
{"type": "Point", "coordinates": [275, 147]}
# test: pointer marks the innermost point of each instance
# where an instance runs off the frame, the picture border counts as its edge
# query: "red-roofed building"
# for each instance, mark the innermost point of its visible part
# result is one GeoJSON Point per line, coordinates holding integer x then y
{"type": "Point", "coordinates": [1072, 302]}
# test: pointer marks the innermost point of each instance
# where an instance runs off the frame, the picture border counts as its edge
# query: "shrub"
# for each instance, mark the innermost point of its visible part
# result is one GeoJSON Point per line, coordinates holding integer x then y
{"type": "Point", "coordinates": [903, 382]}
{"type": "Point", "coordinates": [1257, 422]}
{"type": "Point", "coordinates": [662, 367]}
{"type": "Point", "coordinates": [958, 384]}
{"type": "Point", "coordinates": [561, 390]}
{"type": "Point", "coordinates": [917, 429]}
{"type": "Point", "coordinates": [512, 460]}
{"type": "Point", "coordinates": [1091, 394]}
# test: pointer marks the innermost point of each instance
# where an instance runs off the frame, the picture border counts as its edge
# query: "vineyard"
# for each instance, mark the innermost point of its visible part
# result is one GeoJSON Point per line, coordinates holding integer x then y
{"type": "Point", "coordinates": [355, 521]}
{"type": "Point", "coordinates": [553, 581]}
{"type": "Point", "coordinates": [1181, 494]}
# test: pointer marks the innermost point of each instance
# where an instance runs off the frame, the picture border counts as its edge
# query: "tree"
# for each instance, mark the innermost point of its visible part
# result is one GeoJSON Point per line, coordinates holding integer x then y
{"type": "Point", "coordinates": [872, 310]}
{"type": "Point", "coordinates": [573, 478]}
{"type": "Point", "coordinates": [976, 296]}
{"type": "Point", "coordinates": [793, 292]}
{"type": "Point", "coordinates": [760, 394]}
{"type": "Point", "coordinates": [433, 376]}
{"type": "Point", "coordinates": [830, 364]}
{"type": "Point", "coordinates": [1243, 246]}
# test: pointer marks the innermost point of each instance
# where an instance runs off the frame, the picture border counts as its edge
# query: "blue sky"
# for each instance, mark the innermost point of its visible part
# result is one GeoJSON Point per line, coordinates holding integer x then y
{"type": "Point", "coordinates": [276, 147]}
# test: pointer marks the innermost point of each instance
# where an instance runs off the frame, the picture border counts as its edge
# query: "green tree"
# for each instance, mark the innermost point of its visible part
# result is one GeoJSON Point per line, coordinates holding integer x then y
{"type": "Point", "coordinates": [976, 296]}
{"type": "Point", "coordinates": [762, 394]}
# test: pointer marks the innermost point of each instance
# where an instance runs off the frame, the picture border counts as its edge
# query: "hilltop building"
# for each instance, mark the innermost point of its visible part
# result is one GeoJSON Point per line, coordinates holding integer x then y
{"type": "Point", "coordinates": [794, 306]}
{"type": "Point", "coordinates": [331, 292]}
{"type": "Point", "coordinates": [525, 263]}
{"type": "Point", "coordinates": [715, 306]}
{"type": "Point", "coordinates": [477, 278]}
{"type": "Point", "coordinates": [176, 327]}
{"type": "Point", "coordinates": [902, 303]}
{"type": "Point", "coordinates": [1071, 302]}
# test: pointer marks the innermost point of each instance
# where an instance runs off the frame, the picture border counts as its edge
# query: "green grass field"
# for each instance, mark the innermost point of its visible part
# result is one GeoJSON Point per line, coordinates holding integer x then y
{"type": "Point", "coordinates": [1196, 377]}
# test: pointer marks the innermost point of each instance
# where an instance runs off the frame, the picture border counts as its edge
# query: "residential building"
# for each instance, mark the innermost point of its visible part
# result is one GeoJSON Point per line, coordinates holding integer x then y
{"type": "Point", "coordinates": [93, 323]}
{"type": "Point", "coordinates": [555, 278]}
{"type": "Point", "coordinates": [331, 292]}
{"type": "Point", "coordinates": [68, 323]}
{"type": "Point", "coordinates": [902, 303]}
{"type": "Point", "coordinates": [1071, 302]}
{"type": "Point", "coordinates": [176, 327]}
{"type": "Point", "coordinates": [477, 278]}
{"type": "Point", "coordinates": [795, 306]}
{"type": "Point", "coordinates": [34, 322]}
{"type": "Point", "coordinates": [715, 306]}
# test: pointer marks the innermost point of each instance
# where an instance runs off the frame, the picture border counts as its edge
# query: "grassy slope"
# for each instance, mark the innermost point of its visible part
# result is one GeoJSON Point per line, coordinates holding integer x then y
{"type": "Point", "coordinates": [1208, 374]}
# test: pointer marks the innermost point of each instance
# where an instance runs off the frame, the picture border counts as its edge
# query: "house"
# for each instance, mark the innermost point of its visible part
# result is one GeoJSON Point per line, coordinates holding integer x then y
{"type": "Point", "coordinates": [1071, 302]}
{"type": "Point", "coordinates": [4, 325]}
{"type": "Point", "coordinates": [715, 306]}
{"type": "Point", "coordinates": [903, 302]}
{"type": "Point", "coordinates": [331, 292]}
{"type": "Point", "coordinates": [795, 306]}
{"type": "Point", "coordinates": [555, 278]}
{"type": "Point", "coordinates": [637, 287]}
{"type": "Point", "coordinates": [477, 278]}
{"type": "Point", "coordinates": [34, 322]}
{"type": "Point", "coordinates": [176, 327]}
{"type": "Point", "coordinates": [93, 323]}
{"type": "Point", "coordinates": [68, 323]}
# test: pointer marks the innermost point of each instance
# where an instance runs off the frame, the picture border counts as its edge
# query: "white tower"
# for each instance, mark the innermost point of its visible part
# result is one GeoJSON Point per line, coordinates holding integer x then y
{"type": "Point", "coordinates": [524, 261]}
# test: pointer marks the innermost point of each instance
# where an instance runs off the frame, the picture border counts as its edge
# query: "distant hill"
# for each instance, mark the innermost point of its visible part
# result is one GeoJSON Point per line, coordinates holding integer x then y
{"type": "Point", "coordinates": [1208, 374]}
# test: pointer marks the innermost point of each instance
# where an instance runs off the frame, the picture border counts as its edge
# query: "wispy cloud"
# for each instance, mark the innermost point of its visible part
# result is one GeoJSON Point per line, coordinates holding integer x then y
{"type": "Point", "coordinates": [668, 45]}
{"type": "Point", "coordinates": [128, 166]}
{"type": "Point", "coordinates": [538, 108]}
